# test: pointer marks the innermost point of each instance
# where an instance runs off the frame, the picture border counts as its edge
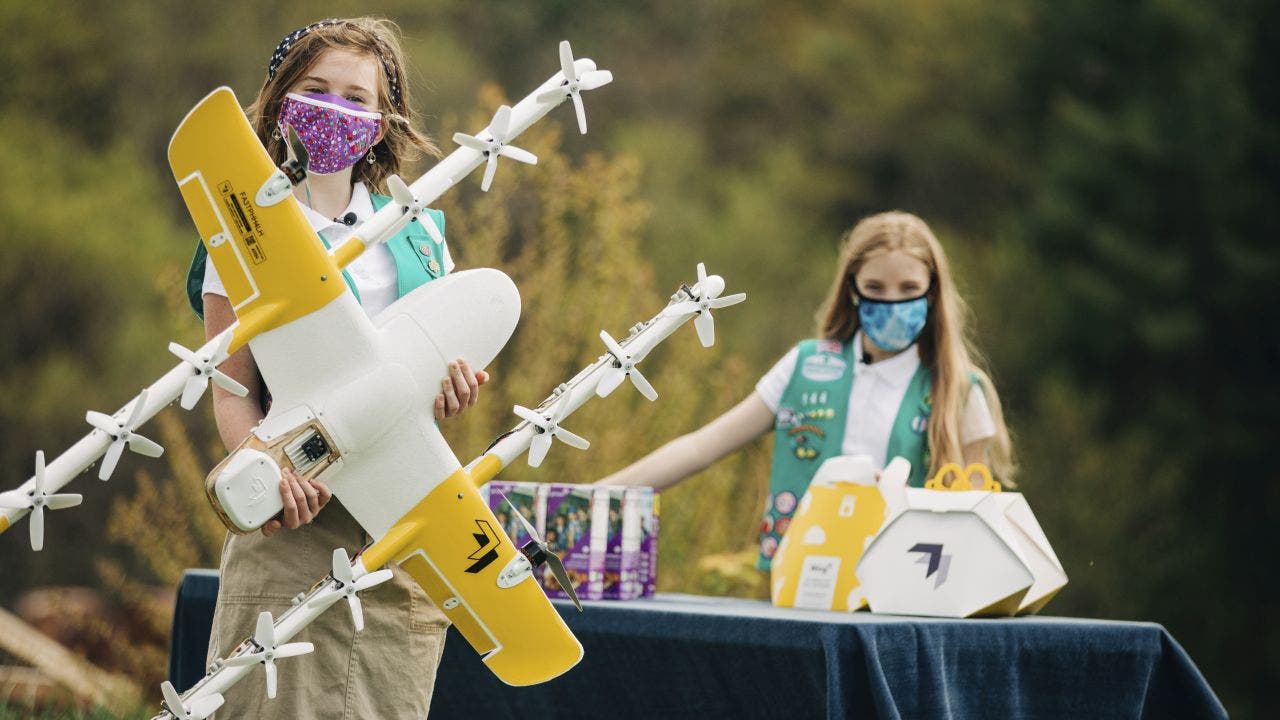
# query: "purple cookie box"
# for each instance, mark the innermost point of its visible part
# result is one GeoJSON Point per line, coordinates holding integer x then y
{"type": "Point", "coordinates": [568, 533]}
{"type": "Point", "coordinates": [524, 495]}
{"type": "Point", "coordinates": [647, 508]}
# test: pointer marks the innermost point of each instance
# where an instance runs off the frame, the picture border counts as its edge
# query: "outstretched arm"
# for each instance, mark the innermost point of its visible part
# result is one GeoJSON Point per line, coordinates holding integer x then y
{"type": "Point", "coordinates": [695, 451]}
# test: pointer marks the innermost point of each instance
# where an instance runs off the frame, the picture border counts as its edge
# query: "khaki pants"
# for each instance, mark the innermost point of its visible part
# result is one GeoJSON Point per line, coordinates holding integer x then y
{"type": "Point", "coordinates": [386, 671]}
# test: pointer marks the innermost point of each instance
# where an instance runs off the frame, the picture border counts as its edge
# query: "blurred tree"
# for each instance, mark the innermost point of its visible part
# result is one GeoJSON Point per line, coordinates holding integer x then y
{"type": "Point", "coordinates": [90, 262]}
{"type": "Point", "coordinates": [1151, 366]}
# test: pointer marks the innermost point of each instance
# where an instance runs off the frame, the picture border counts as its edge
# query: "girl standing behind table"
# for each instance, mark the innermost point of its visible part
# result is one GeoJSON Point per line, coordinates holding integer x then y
{"type": "Point", "coordinates": [890, 374]}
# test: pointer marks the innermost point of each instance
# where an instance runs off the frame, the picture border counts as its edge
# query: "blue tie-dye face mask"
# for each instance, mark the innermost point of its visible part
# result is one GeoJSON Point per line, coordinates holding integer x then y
{"type": "Point", "coordinates": [893, 325]}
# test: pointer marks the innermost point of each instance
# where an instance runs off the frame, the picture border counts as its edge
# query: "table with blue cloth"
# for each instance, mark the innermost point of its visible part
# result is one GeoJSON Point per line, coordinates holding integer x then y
{"type": "Point", "coordinates": [683, 656]}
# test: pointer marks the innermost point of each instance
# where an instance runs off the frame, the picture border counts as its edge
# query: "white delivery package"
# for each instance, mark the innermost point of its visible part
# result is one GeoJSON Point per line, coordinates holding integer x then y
{"type": "Point", "coordinates": [948, 553]}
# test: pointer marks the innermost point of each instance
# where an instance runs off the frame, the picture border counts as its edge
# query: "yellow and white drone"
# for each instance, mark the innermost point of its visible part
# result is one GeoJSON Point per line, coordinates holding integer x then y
{"type": "Point", "coordinates": [352, 396]}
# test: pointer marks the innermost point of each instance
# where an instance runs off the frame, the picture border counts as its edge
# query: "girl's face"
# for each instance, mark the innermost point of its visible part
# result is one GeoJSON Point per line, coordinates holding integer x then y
{"type": "Point", "coordinates": [893, 275]}
{"type": "Point", "coordinates": [345, 73]}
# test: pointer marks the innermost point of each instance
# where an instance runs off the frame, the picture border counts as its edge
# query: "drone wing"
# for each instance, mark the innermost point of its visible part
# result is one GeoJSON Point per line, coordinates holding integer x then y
{"type": "Point", "coordinates": [274, 267]}
{"type": "Point", "coordinates": [452, 544]}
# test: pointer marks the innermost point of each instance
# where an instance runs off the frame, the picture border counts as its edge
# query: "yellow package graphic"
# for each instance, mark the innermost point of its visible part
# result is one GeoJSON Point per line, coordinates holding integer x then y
{"type": "Point", "coordinates": [841, 511]}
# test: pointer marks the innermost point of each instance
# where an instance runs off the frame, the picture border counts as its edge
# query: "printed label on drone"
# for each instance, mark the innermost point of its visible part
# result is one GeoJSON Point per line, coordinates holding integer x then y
{"type": "Point", "coordinates": [245, 218]}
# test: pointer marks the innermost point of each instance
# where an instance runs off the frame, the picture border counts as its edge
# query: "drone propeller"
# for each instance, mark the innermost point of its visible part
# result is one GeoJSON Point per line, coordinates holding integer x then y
{"type": "Point", "coordinates": [707, 299]}
{"type": "Point", "coordinates": [348, 586]}
{"type": "Point", "coordinates": [549, 427]}
{"type": "Point", "coordinates": [122, 434]}
{"type": "Point", "coordinates": [297, 150]}
{"type": "Point", "coordinates": [573, 85]}
{"type": "Point", "coordinates": [200, 709]}
{"type": "Point", "coordinates": [267, 652]}
{"type": "Point", "coordinates": [495, 145]}
{"type": "Point", "coordinates": [624, 367]}
{"type": "Point", "coordinates": [36, 500]}
{"type": "Point", "coordinates": [404, 197]}
{"type": "Point", "coordinates": [551, 559]}
{"type": "Point", "coordinates": [204, 367]}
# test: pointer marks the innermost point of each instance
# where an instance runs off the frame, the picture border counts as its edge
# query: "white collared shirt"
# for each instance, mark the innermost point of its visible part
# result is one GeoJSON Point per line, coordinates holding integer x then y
{"type": "Point", "coordinates": [877, 393]}
{"type": "Point", "coordinates": [374, 272]}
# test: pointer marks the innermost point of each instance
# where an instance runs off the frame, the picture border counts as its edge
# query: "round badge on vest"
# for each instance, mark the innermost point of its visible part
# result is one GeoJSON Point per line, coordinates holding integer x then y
{"type": "Point", "coordinates": [785, 502]}
{"type": "Point", "coordinates": [768, 546]}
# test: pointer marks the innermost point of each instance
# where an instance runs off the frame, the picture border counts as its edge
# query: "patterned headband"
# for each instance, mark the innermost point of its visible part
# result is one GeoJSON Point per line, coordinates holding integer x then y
{"type": "Point", "coordinates": [282, 49]}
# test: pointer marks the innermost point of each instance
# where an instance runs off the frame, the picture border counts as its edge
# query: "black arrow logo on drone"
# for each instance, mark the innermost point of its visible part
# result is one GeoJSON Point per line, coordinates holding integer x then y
{"type": "Point", "coordinates": [488, 542]}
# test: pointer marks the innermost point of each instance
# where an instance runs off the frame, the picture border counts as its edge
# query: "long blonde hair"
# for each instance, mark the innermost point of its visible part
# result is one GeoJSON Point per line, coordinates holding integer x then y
{"type": "Point", "coordinates": [377, 38]}
{"type": "Point", "coordinates": [945, 347]}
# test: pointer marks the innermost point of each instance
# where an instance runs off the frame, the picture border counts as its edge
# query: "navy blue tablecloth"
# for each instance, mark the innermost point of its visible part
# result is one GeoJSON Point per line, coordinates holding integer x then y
{"type": "Point", "coordinates": [680, 656]}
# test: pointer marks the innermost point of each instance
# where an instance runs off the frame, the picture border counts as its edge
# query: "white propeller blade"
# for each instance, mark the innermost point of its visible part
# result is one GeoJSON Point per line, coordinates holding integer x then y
{"type": "Point", "coordinates": [265, 638]}
{"type": "Point", "coordinates": [348, 586]}
{"type": "Point", "coordinates": [707, 299]}
{"type": "Point", "coordinates": [204, 367]}
{"type": "Point", "coordinates": [550, 427]}
{"type": "Point", "coordinates": [573, 85]}
{"type": "Point", "coordinates": [200, 709]}
{"type": "Point", "coordinates": [122, 434]}
{"type": "Point", "coordinates": [625, 368]}
{"type": "Point", "coordinates": [37, 500]}
{"type": "Point", "coordinates": [499, 127]}
{"type": "Point", "coordinates": [552, 560]}
{"type": "Point", "coordinates": [496, 145]}
{"type": "Point", "coordinates": [404, 197]}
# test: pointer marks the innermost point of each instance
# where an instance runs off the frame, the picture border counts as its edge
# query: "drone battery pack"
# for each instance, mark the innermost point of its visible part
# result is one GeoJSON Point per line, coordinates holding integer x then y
{"type": "Point", "coordinates": [244, 490]}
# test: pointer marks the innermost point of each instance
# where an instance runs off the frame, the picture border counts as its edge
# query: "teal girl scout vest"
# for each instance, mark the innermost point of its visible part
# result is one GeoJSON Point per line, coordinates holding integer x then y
{"type": "Point", "coordinates": [809, 428]}
{"type": "Point", "coordinates": [418, 258]}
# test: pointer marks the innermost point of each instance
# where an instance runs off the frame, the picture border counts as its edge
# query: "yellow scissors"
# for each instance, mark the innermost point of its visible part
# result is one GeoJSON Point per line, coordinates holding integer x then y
{"type": "Point", "coordinates": [951, 477]}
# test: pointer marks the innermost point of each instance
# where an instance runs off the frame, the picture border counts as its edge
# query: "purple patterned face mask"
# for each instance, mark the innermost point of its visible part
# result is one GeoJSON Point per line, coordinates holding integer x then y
{"type": "Point", "coordinates": [335, 131]}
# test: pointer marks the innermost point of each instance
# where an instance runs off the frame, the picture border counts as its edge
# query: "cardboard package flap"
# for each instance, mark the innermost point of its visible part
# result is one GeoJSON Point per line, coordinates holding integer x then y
{"type": "Point", "coordinates": [814, 565]}
{"type": "Point", "coordinates": [958, 554]}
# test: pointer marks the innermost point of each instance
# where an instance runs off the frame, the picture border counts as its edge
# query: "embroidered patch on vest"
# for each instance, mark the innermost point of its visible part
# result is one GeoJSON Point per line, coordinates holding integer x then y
{"type": "Point", "coordinates": [787, 418]}
{"type": "Point", "coordinates": [919, 424]}
{"type": "Point", "coordinates": [823, 367]}
{"type": "Point", "coordinates": [805, 440]}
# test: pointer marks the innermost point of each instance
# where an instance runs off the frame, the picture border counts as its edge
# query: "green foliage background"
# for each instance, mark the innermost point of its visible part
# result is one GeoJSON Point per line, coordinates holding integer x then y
{"type": "Point", "coordinates": [1104, 176]}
